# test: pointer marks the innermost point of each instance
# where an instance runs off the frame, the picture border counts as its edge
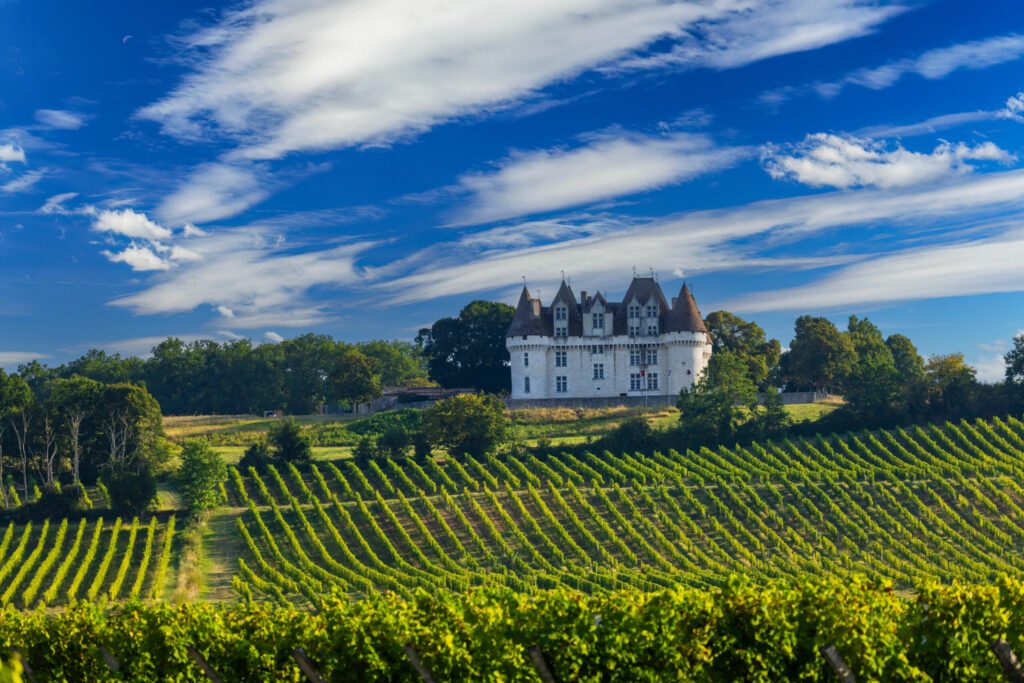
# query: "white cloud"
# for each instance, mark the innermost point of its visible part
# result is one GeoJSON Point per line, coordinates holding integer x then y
{"type": "Point", "coordinates": [930, 125]}
{"type": "Point", "coordinates": [761, 30]}
{"type": "Point", "coordinates": [273, 337]}
{"type": "Point", "coordinates": [826, 160]}
{"type": "Point", "coordinates": [253, 273]}
{"type": "Point", "coordinates": [58, 118]}
{"type": "Point", "coordinates": [213, 191]}
{"type": "Point", "coordinates": [933, 64]}
{"type": "Point", "coordinates": [9, 153]}
{"type": "Point", "coordinates": [25, 182]}
{"type": "Point", "coordinates": [309, 75]}
{"type": "Point", "coordinates": [610, 165]}
{"type": "Point", "coordinates": [962, 269]}
{"type": "Point", "coordinates": [11, 359]}
{"type": "Point", "coordinates": [702, 241]}
{"type": "Point", "coordinates": [128, 223]}
{"type": "Point", "coordinates": [55, 204]}
{"type": "Point", "coordinates": [991, 363]}
{"type": "Point", "coordinates": [138, 257]}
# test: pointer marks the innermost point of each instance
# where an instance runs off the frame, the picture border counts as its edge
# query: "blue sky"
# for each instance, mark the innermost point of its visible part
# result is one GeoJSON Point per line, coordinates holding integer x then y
{"type": "Point", "coordinates": [362, 167]}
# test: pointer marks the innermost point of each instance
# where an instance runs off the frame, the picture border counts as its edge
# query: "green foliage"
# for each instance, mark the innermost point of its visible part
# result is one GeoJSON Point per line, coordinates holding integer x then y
{"type": "Point", "coordinates": [407, 418]}
{"type": "Point", "coordinates": [746, 339]}
{"type": "Point", "coordinates": [1015, 361]}
{"type": "Point", "coordinates": [201, 474]}
{"type": "Point", "coordinates": [469, 350]}
{"type": "Point", "coordinates": [820, 356]}
{"type": "Point", "coordinates": [741, 631]}
{"type": "Point", "coordinates": [366, 449]}
{"type": "Point", "coordinates": [131, 492]}
{"type": "Point", "coordinates": [394, 442]}
{"type": "Point", "coordinates": [288, 441]}
{"type": "Point", "coordinates": [467, 424]}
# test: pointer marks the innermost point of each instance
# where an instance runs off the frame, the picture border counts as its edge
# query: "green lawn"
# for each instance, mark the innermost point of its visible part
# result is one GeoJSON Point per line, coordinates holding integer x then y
{"type": "Point", "coordinates": [232, 454]}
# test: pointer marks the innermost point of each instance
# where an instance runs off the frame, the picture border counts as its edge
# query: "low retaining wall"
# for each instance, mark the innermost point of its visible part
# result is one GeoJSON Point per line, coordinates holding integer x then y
{"type": "Point", "coordinates": [788, 398]}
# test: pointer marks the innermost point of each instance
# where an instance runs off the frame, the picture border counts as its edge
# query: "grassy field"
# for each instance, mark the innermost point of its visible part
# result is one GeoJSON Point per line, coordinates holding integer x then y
{"type": "Point", "coordinates": [332, 435]}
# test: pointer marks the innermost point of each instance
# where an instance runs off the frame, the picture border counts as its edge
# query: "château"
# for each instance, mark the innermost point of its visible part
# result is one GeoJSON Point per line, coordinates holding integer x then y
{"type": "Point", "coordinates": [595, 348]}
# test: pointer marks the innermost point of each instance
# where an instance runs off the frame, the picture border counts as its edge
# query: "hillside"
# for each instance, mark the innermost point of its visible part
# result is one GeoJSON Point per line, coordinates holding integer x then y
{"type": "Point", "coordinates": [908, 505]}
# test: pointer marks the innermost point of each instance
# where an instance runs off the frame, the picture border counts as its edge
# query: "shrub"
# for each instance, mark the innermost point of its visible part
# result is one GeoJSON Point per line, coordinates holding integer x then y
{"type": "Point", "coordinates": [289, 443]}
{"type": "Point", "coordinates": [202, 472]}
{"type": "Point", "coordinates": [421, 448]}
{"type": "Point", "coordinates": [408, 419]}
{"type": "Point", "coordinates": [366, 449]}
{"type": "Point", "coordinates": [56, 502]}
{"type": "Point", "coordinates": [131, 493]}
{"type": "Point", "coordinates": [257, 456]}
{"type": "Point", "coordinates": [470, 424]}
{"type": "Point", "coordinates": [394, 442]}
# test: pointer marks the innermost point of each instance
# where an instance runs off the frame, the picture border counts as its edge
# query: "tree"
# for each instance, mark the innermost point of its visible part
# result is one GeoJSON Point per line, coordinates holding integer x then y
{"type": "Point", "coordinates": [132, 491]}
{"type": "Point", "coordinates": [951, 383]}
{"type": "Point", "coordinates": [394, 442]}
{"type": "Point", "coordinates": [770, 418]}
{"type": "Point", "coordinates": [733, 333]}
{"type": "Point", "coordinates": [288, 441]}
{"type": "Point", "coordinates": [469, 350]}
{"type": "Point", "coordinates": [1015, 361]}
{"type": "Point", "coordinates": [467, 424]}
{"type": "Point", "coordinates": [16, 406]}
{"type": "Point", "coordinates": [74, 400]}
{"type": "Point", "coordinates": [396, 362]}
{"type": "Point", "coordinates": [713, 410]}
{"type": "Point", "coordinates": [632, 435]}
{"type": "Point", "coordinates": [201, 474]}
{"type": "Point", "coordinates": [820, 357]}
{"type": "Point", "coordinates": [353, 379]}
{"type": "Point", "coordinates": [872, 387]}
{"type": "Point", "coordinates": [131, 425]}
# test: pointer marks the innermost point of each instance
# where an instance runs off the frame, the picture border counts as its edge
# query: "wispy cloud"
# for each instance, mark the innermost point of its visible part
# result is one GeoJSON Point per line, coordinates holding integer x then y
{"type": "Point", "coordinates": [250, 276]}
{"type": "Point", "coordinates": [11, 359]}
{"type": "Point", "coordinates": [933, 64]}
{"type": "Point", "coordinates": [59, 118]}
{"type": "Point", "coordinates": [611, 164]}
{"type": "Point", "coordinates": [960, 269]}
{"type": "Point", "coordinates": [25, 182]}
{"type": "Point", "coordinates": [1012, 110]}
{"type": "Point", "coordinates": [827, 160]}
{"type": "Point", "coordinates": [712, 240]}
{"type": "Point", "coordinates": [280, 77]}
{"type": "Point", "coordinates": [214, 191]}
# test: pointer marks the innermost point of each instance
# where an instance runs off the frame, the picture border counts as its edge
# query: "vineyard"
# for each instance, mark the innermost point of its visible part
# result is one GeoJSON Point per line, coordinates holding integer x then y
{"type": "Point", "coordinates": [908, 505]}
{"type": "Point", "coordinates": [53, 563]}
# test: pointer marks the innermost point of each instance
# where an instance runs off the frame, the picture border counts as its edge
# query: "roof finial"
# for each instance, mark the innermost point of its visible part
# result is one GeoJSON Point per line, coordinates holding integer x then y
{"type": "Point", "coordinates": [652, 271]}
{"type": "Point", "coordinates": [524, 281]}
{"type": "Point", "coordinates": [634, 272]}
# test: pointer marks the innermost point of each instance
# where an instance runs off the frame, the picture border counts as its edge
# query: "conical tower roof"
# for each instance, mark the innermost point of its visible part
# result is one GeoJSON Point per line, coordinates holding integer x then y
{"type": "Point", "coordinates": [685, 316]}
{"type": "Point", "coordinates": [527, 319]}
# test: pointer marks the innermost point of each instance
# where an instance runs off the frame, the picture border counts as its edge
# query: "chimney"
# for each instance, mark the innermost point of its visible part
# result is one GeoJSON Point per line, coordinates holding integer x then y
{"type": "Point", "coordinates": [583, 297]}
{"type": "Point", "coordinates": [674, 300]}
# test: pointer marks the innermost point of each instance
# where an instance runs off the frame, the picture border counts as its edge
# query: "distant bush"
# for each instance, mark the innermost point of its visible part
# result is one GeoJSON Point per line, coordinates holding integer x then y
{"type": "Point", "coordinates": [289, 443]}
{"type": "Point", "coordinates": [408, 419]}
{"type": "Point", "coordinates": [56, 502]}
{"type": "Point", "coordinates": [131, 493]}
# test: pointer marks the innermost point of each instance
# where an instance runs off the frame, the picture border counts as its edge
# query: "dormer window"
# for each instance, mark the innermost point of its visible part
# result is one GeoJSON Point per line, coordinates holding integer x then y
{"type": "Point", "coordinates": [652, 310]}
{"type": "Point", "coordinates": [560, 313]}
{"type": "Point", "coordinates": [652, 329]}
{"type": "Point", "coordinates": [634, 310]}
{"type": "Point", "coordinates": [634, 330]}
{"type": "Point", "coordinates": [561, 332]}
{"type": "Point", "coordinates": [598, 321]}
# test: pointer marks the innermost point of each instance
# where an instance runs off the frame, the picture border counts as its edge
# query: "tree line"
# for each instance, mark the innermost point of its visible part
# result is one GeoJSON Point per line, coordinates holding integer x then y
{"type": "Point", "coordinates": [205, 377]}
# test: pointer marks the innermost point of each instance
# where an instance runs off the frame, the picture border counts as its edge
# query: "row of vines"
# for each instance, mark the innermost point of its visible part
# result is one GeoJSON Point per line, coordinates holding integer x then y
{"type": "Point", "coordinates": [907, 505]}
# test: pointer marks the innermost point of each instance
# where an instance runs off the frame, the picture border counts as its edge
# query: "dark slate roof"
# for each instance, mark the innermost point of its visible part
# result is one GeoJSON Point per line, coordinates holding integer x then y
{"type": "Point", "coordinates": [645, 290]}
{"type": "Point", "coordinates": [575, 317]}
{"type": "Point", "coordinates": [528, 317]}
{"type": "Point", "coordinates": [685, 317]}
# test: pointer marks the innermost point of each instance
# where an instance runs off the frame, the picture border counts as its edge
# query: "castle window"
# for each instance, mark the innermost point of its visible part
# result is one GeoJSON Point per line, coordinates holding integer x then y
{"type": "Point", "coordinates": [560, 359]}
{"type": "Point", "coordinates": [634, 357]}
{"type": "Point", "coordinates": [652, 381]}
{"type": "Point", "coordinates": [597, 348]}
{"type": "Point", "coordinates": [561, 384]}
{"type": "Point", "coordinates": [652, 329]}
{"type": "Point", "coordinates": [526, 385]}
{"type": "Point", "coordinates": [598, 370]}
{"type": "Point", "coordinates": [652, 310]}
{"type": "Point", "coordinates": [652, 356]}
{"type": "Point", "coordinates": [598, 321]}
{"type": "Point", "coordinates": [634, 310]}
{"type": "Point", "coordinates": [634, 330]}
{"type": "Point", "coordinates": [562, 332]}
{"type": "Point", "coordinates": [636, 381]}
{"type": "Point", "coordinates": [526, 360]}
{"type": "Point", "coordinates": [560, 313]}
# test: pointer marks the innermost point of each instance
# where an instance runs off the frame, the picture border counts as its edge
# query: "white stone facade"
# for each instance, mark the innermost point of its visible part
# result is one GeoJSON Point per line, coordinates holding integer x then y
{"type": "Point", "coordinates": [636, 348]}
